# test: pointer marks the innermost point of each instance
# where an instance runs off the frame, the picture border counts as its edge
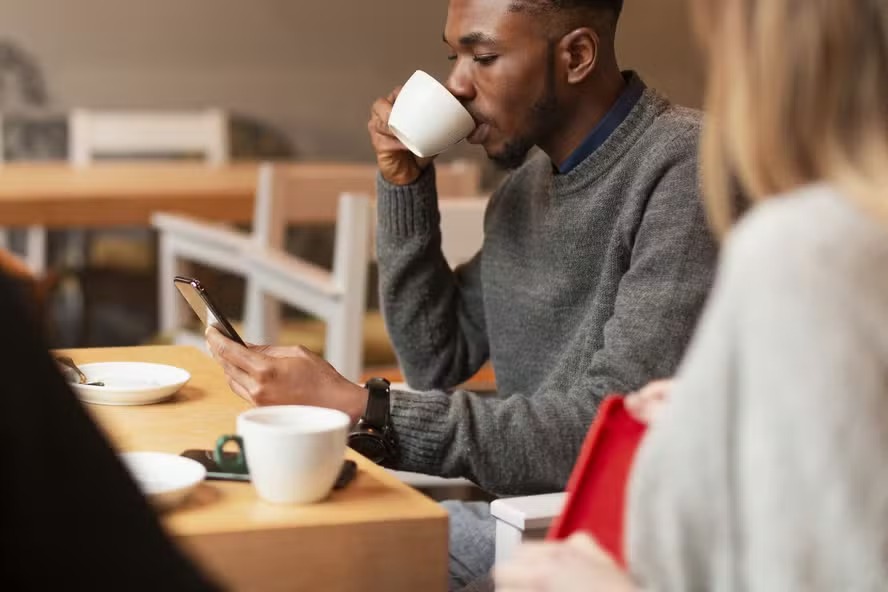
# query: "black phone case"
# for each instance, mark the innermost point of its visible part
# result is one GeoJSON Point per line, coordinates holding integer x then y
{"type": "Point", "coordinates": [205, 457]}
{"type": "Point", "coordinates": [225, 326]}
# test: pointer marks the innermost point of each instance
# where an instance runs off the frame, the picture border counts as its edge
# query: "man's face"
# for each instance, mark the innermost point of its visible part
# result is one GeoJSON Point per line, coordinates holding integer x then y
{"type": "Point", "coordinates": [504, 74]}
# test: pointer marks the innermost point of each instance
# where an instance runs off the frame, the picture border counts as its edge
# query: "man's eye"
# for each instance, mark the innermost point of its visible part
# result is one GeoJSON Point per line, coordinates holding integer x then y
{"type": "Point", "coordinates": [486, 59]}
{"type": "Point", "coordinates": [452, 58]}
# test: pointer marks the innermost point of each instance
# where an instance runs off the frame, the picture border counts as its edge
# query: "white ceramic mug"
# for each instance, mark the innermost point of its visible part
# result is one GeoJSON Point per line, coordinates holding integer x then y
{"type": "Point", "coordinates": [293, 452]}
{"type": "Point", "coordinates": [427, 118]}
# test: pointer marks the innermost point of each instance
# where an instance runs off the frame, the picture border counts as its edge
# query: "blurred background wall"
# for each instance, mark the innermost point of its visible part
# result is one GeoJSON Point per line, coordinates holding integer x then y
{"type": "Point", "coordinates": [309, 69]}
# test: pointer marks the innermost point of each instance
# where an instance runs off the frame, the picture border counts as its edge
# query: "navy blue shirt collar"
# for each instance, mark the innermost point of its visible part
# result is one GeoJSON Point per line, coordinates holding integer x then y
{"type": "Point", "coordinates": [610, 122]}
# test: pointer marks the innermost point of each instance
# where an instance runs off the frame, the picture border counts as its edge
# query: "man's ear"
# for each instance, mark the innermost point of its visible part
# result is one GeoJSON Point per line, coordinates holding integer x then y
{"type": "Point", "coordinates": [579, 52]}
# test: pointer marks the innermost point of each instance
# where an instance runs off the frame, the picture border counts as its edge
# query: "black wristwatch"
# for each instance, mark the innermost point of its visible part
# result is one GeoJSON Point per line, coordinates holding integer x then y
{"type": "Point", "coordinates": [373, 436]}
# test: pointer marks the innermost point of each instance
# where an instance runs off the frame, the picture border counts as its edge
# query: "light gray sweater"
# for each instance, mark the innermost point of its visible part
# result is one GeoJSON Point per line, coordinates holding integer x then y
{"type": "Point", "coordinates": [767, 471]}
{"type": "Point", "coordinates": [587, 283]}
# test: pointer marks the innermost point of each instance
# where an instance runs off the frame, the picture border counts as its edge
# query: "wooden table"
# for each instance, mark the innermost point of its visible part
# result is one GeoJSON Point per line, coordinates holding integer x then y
{"type": "Point", "coordinates": [112, 194]}
{"type": "Point", "coordinates": [376, 534]}
{"type": "Point", "coordinates": [39, 196]}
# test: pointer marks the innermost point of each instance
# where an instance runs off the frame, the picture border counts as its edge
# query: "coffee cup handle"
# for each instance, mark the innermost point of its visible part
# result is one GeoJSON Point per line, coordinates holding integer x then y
{"type": "Point", "coordinates": [231, 465]}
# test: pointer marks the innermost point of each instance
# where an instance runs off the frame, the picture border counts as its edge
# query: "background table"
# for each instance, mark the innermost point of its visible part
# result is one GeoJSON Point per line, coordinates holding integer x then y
{"type": "Point", "coordinates": [376, 534]}
{"type": "Point", "coordinates": [117, 194]}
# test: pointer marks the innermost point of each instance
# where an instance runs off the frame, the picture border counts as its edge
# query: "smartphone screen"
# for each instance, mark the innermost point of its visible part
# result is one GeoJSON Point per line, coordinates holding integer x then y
{"type": "Point", "coordinates": [208, 313]}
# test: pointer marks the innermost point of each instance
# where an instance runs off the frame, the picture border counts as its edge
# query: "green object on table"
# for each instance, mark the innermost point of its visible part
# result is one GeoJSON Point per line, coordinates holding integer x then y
{"type": "Point", "coordinates": [231, 465]}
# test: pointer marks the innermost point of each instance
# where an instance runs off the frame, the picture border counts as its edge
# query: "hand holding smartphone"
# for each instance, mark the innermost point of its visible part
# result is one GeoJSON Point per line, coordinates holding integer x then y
{"type": "Point", "coordinates": [202, 305]}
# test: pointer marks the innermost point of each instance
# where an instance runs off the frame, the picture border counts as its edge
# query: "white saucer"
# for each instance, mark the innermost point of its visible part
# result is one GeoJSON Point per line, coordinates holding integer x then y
{"type": "Point", "coordinates": [165, 479]}
{"type": "Point", "coordinates": [130, 383]}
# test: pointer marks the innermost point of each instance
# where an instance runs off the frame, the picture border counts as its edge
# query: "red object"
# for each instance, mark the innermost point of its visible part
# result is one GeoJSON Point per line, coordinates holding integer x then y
{"type": "Point", "coordinates": [596, 496]}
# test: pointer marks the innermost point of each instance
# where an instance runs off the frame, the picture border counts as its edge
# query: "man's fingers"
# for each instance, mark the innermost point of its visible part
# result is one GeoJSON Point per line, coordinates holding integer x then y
{"type": "Point", "coordinates": [214, 344]}
{"type": "Point", "coordinates": [381, 136]}
{"type": "Point", "coordinates": [235, 374]}
{"type": "Point", "coordinates": [392, 96]}
{"type": "Point", "coordinates": [240, 391]}
{"type": "Point", "coordinates": [387, 144]}
{"type": "Point", "coordinates": [234, 354]}
{"type": "Point", "coordinates": [288, 351]}
{"type": "Point", "coordinates": [379, 131]}
{"type": "Point", "coordinates": [379, 115]}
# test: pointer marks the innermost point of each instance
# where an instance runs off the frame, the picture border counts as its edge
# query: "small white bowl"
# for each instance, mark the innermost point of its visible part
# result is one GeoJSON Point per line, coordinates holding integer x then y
{"type": "Point", "coordinates": [130, 383]}
{"type": "Point", "coordinates": [165, 479]}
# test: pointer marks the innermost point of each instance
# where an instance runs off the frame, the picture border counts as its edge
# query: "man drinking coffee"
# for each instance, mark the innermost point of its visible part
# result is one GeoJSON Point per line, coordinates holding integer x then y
{"type": "Point", "coordinates": [595, 264]}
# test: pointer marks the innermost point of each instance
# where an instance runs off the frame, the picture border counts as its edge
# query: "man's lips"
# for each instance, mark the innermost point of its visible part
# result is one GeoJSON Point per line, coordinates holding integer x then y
{"type": "Point", "coordinates": [479, 134]}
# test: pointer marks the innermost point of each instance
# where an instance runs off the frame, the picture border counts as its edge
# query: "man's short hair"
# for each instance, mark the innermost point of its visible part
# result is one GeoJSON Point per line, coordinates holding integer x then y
{"type": "Point", "coordinates": [608, 11]}
{"type": "Point", "coordinates": [615, 6]}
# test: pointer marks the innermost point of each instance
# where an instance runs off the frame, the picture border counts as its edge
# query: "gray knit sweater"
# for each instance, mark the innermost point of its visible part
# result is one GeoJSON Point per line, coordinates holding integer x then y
{"type": "Point", "coordinates": [767, 470]}
{"type": "Point", "coordinates": [588, 283]}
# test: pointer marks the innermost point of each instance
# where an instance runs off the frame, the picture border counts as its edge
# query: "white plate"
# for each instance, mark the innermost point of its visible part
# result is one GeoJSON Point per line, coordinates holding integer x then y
{"type": "Point", "coordinates": [165, 479]}
{"type": "Point", "coordinates": [130, 383]}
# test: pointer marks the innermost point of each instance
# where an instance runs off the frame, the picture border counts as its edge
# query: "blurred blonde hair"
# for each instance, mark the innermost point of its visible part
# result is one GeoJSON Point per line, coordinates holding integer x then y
{"type": "Point", "coordinates": [797, 93]}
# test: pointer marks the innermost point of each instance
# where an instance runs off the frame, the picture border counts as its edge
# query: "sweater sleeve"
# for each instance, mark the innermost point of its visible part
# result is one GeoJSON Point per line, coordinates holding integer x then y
{"type": "Point", "coordinates": [767, 470]}
{"type": "Point", "coordinates": [527, 442]}
{"type": "Point", "coordinates": [434, 315]}
{"type": "Point", "coordinates": [811, 414]}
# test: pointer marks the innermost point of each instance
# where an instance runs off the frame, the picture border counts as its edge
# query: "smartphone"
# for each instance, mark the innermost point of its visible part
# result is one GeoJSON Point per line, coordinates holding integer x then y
{"type": "Point", "coordinates": [205, 457]}
{"type": "Point", "coordinates": [214, 471]}
{"type": "Point", "coordinates": [202, 305]}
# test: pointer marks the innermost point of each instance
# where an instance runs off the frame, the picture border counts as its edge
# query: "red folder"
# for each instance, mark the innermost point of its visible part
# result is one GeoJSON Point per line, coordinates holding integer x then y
{"type": "Point", "coordinates": [596, 495]}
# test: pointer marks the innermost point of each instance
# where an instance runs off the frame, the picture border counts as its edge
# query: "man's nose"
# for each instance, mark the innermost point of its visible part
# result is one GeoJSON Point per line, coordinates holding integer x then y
{"type": "Point", "coordinates": [460, 83]}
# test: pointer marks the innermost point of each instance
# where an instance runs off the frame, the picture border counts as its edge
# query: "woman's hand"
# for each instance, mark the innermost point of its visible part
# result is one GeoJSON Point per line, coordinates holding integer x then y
{"type": "Point", "coordinates": [646, 404]}
{"type": "Point", "coordinates": [575, 564]}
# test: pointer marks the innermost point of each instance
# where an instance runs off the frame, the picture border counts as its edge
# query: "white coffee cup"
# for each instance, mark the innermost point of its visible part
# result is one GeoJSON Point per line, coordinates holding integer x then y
{"type": "Point", "coordinates": [294, 453]}
{"type": "Point", "coordinates": [427, 118]}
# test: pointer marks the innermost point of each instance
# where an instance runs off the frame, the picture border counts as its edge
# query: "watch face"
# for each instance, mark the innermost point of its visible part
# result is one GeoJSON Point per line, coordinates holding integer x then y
{"type": "Point", "coordinates": [369, 445]}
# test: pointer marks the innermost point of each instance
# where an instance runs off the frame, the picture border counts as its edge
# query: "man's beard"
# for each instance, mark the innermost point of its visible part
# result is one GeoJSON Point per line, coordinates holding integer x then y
{"type": "Point", "coordinates": [543, 116]}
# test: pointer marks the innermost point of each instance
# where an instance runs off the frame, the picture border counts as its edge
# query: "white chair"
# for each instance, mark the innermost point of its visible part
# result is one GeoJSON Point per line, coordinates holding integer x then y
{"type": "Point", "coordinates": [286, 195]}
{"type": "Point", "coordinates": [96, 134]}
{"type": "Point", "coordinates": [338, 297]}
{"type": "Point", "coordinates": [100, 135]}
{"type": "Point", "coordinates": [519, 519]}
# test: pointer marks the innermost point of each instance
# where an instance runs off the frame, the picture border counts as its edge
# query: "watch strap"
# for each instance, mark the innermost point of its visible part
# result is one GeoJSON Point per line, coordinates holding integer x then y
{"type": "Point", "coordinates": [378, 412]}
